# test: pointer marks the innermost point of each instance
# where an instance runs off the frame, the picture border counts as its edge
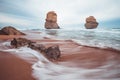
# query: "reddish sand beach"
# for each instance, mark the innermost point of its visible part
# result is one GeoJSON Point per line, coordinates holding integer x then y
{"type": "Point", "coordinates": [14, 68]}
{"type": "Point", "coordinates": [80, 55]}
{"type": "Point", "coordinates": [72, 55]}
{"type": "Point", "coordinates": [9, 37]}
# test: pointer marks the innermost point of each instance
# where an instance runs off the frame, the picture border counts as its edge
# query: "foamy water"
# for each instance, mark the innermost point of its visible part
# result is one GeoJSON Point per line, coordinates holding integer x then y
{"type": "Point", "coordinates": [43, 69]}
{"type": "Point", "coordinates": [103, 38]}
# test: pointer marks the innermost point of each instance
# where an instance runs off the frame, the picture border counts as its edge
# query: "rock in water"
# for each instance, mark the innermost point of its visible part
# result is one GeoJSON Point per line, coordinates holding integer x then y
{"type": "Point", "coordinates": [9, 30]}
{"type": "Point", "coordinates": [19, 42]}
{"type": "Point", "coordinates": [91, 23]}
{"type": "Point", "coordinates": [39, 47]}
{"type": "Point", "coordinates": [53, 52]}
{"type": "Point", "coordinates": [51, 21]}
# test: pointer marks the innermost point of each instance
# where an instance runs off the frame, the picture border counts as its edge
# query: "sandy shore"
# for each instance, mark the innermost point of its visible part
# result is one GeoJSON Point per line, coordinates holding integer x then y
{"type": "Point", "coordinates": [6, 37]}
{"type": "Point", "coordinates": [80, 55]}
{"type": "Point", "coordinates": [72, 54]}
{"type": "Point", "coordinates": [75, 55]}
{"type": "Point", "coordinates": [14, 68]}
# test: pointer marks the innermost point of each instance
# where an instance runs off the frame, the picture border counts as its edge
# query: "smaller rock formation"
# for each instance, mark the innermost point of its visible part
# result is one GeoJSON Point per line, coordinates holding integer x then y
{"type": "Point", "coordinates": [39, 47]}
{"type": "Point", "coordinates": [9, 30]}
{"type": "Point", "coordinates": [91, 23]}
{"type": "Point", "coordinates": [53, 52]}
{"type": "Point", "coordinates": [19, 42]}
{"type": "Point", "coordinates": [51, 21]}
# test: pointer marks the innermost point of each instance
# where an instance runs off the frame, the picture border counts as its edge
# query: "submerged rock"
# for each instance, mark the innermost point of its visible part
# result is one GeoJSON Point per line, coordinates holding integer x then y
{"type": "Point", "coordinates": [51, 21]}
{"type": "Point", "coordinates": [9, 30]}
{"type": "Point", "coordinates": [53, 52]}
{"type": "Point", "coordinates": [39, 47]}
{"type": "Point", "coordinates": [19, 42]}
{"type": "Point", "coordinates": [91, 23]}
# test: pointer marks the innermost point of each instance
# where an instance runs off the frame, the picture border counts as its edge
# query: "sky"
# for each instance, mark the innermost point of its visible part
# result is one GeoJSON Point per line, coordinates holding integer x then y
{"type": "Point", "coordinates": [27, 14]}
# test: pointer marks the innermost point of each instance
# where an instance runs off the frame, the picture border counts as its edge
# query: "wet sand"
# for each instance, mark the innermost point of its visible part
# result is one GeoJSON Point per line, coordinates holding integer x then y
{"type": "Point", "coordinates": [72, 54]}
{"type": "Point", "coordinates": [14, 68]}
{"type": "Point", "coordinates": [78, 56]}
{"type": "Point", "coordinates": [82, 56]}
{"type": "Point", "coordinates": [9, 37]}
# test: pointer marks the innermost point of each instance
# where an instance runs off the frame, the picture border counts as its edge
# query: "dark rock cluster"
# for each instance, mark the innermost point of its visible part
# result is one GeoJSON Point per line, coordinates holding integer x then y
{"type": "Point", "coordinates": [52, 52]}
{"type": "Point", "coordinates": [39, 47]}
{"type": "Point", "coordinates": [19, 42]}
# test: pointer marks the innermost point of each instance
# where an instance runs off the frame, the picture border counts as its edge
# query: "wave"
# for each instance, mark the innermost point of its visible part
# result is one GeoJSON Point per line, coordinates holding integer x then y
{"type": "Point", "coordinates": [98, 45]}
{"type": "Point", "coordinates": [94, 38]}
{"type": "Point", "coordinates": [43, 69]}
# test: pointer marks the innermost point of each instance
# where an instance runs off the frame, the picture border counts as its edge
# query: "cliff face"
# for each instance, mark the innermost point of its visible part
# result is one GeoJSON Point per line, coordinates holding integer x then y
{"type": "Point", "coordinates": [51, 21]}
{"type": "Point", "coordinates": [91, 23]}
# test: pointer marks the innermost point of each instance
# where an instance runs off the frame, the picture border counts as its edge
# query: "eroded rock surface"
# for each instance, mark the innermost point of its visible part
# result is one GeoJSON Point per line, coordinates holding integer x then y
{"type": "Point", "coordinates": [51, 21]}
{"type": "Point", "coordinates": [19, 42]}
{"type": "Point", "coordinates": [39, 47]}
{"type": "Point", "coordinates": [9, 30]}
{"type": "Point", "coordinates": [52, 52]}
{"type": "Point", "coordinates": [91, 23]}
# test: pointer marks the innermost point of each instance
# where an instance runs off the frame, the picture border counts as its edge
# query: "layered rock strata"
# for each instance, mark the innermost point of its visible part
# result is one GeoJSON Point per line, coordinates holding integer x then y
{"type": "Point", "coordinates": [51, 21]}
{"type": "Point", "coordinates": [91, 23]}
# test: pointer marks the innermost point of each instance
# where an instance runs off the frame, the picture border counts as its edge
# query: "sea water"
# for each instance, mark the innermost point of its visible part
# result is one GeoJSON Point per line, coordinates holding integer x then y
{"type": "Point", "coordinates": [103, 38]}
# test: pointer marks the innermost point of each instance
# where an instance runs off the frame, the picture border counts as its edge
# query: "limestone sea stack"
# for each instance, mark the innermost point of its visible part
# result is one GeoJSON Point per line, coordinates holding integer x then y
{"type": "Point", "coordinates": [91, 23]}
{"type": "Point", "coordinates": [51, 21]}
{"type": "Point", "coordinates": [9, 30]}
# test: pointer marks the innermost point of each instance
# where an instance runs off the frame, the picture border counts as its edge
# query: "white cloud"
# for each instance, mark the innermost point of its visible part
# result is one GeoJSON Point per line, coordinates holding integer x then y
{"type": "Point", "coordinates": [7, 18]}
{"type": "Point", "coordinates": [75, 11]}
{"type": "Point", "coordinates": [69, 11]}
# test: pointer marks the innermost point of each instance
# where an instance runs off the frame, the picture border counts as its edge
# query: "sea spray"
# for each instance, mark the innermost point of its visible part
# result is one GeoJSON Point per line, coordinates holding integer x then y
{"type": "Point", "coordinates": [4, 45]}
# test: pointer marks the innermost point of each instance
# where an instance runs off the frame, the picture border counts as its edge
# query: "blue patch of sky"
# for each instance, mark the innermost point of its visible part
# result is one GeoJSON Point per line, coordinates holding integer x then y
{"type": "Point", "coordinates": [14, 8]}
{"type": "Point", "coordinates": [114, 23]}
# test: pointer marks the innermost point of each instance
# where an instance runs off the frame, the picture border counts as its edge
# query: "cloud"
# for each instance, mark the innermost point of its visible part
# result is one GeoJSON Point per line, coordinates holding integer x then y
{"type": "Point", "coordinates": [75, 11]}
{"type": "Point", "coordinates": [6, 18]}
{"type": "Point", "coordinates": [68, 11]}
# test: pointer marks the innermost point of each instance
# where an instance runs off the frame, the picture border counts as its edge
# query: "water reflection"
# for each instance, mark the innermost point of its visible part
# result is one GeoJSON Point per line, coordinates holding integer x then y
{"type": "Point", "coordinates": [90, 34]}
{"type": "Point", "coordinates": [51, 32]}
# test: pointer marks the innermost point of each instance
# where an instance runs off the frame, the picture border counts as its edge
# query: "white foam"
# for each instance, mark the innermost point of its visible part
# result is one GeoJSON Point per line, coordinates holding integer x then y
{"type": "Point", "coordinates": [94, 43]}
{"type": "Point", "coordinates": [58, 72]}
{"type": "Point", "coordinates": [4, 45]}
{"type": "Point", "coordinates": [103, 38]}
{"type": "Point", "coordinates": [27, 53]}
{"type": "Point", "coordinates": [43, 69]}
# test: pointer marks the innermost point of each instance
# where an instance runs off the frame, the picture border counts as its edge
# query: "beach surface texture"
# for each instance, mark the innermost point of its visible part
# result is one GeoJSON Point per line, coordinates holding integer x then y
{"type": "Point", "coordinates": [77, 62]}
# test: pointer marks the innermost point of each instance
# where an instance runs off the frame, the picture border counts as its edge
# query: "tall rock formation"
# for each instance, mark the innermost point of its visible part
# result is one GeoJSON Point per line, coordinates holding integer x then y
{"type": "Point", "coordinates": [91, 23]}
{"type": "Point", "coordinates": [51, 21]}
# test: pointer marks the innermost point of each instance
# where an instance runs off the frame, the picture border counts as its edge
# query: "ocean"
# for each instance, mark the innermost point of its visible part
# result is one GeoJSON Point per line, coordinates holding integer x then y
{"type": "Point", "coordinates": [103, 38]}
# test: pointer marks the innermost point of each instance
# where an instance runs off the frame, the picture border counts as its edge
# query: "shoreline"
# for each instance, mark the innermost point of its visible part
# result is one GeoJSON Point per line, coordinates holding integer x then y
{"type": "Point", "coordinates": [10, 37]}
{"type": "Point", "coordinates": [72, 55]}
